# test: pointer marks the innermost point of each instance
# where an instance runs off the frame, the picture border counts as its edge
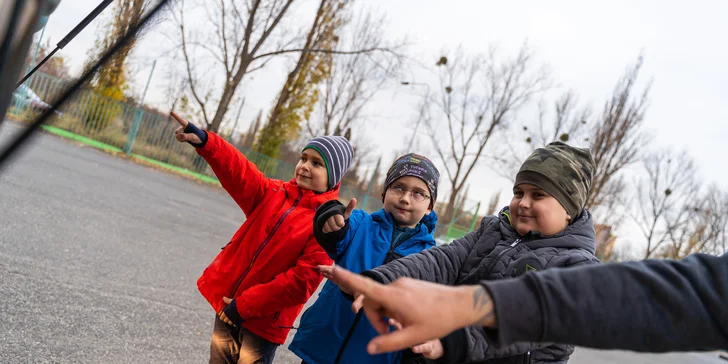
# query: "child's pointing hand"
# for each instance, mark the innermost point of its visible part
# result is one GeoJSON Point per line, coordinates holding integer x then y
{"type": "Point", "coordinates": [337, 222]}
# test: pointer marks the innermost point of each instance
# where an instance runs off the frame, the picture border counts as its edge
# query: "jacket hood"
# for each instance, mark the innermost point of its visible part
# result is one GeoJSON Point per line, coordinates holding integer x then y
{"type": "Point", "coordinates": [579, 234]}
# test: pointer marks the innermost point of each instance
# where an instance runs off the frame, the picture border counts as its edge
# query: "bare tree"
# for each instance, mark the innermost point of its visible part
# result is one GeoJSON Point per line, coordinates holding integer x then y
{"type": "Point", "coordinates": [355, 79]}
{"type": "Point", "coordinates": [614, 137]}
{"type": "Point", "coordinates": [718, 206]}
{"type": "Point", "coordinates": [699, 226]}
{"type": "Point", "coordinates": [248, 139]}
{"type": "Point", "coordinates": [478, 97]}
{"type": "Point", "coordinates": [238, 38]}
{"type": "Point", "coordinates": [238, 33]}
{"type": "Point", "coordinates": [56, 66]}
{"type": "Point", "coordinates": [353, 82]}
{"type": "Point", "coordinates": [664, 198]}
{"type": "Point", "coordinates": [111, 78]}
{"type": "Point", "coordinates": [567, 123]}
{"type": "Point", "coordinates": [298, 96]}
{"type": "Point", "coordinates": [493, 204]}
{"type": "Point", "coordinates": [604, 242]}
{"type": "Point", "coordinates": [175, 88]}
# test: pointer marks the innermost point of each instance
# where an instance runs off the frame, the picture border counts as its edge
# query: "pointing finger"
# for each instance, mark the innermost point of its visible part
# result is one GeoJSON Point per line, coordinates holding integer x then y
{"type": "Point", "coordinates": [179, 119]}
{"type": "Point", "coordinates": [349, 208]}
{"type": "Point", "coordinates": [353, 282]}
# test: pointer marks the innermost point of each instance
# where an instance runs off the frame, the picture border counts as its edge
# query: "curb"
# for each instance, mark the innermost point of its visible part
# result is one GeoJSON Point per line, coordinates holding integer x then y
{"type": "Point", "coordinates": [139, 159]}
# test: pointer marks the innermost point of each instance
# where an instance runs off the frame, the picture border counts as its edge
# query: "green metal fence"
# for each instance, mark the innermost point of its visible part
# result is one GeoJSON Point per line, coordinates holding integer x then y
{"type": "Point", "coordinates": [464, 221]}
{"type": "Point", "coordinates": [129, 128]}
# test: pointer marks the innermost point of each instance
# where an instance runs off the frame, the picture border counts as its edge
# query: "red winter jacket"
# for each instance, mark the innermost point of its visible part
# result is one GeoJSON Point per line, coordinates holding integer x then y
{"type": "Point", "coordinates": [269, 265]}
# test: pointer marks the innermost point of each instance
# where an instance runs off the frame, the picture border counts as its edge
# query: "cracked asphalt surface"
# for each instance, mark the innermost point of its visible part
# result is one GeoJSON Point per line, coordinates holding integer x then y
{"type": "Point", "coordinates": [99, 257]}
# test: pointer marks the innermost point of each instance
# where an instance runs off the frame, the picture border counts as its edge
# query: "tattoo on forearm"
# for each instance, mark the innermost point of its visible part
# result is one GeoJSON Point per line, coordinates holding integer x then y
{"type": "Point", "coordinates": [482, 305]}
{"type": "Point", "coordinates": [480, 298]}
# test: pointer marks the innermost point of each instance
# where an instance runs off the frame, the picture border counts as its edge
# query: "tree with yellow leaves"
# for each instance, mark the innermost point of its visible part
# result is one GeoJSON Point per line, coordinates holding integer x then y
{"type": "Point", "coordinates": [111, 79]}
{"type": "Point", "coordinates": [299, 95]}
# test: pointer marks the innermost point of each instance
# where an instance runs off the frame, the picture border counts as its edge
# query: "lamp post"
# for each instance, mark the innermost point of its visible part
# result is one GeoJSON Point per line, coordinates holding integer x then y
{"type": "Point", "coordinates": [419, 118]}
{"type": "Point", "coordinates": [237, 118]}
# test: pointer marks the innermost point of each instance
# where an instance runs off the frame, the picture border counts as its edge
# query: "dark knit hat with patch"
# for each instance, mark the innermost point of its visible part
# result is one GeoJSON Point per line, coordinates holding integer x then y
{"type": "Point", "coordinates": [563, 171]}
{"type": "Point", "coordinates": [414, 165]}
{"type": "Point", "coordinates": [337, 154]}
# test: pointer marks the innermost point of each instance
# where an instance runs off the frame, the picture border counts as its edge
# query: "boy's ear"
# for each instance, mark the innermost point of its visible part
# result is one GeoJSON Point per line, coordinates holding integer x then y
{"type": "Point", "coordinates": [568, 217]}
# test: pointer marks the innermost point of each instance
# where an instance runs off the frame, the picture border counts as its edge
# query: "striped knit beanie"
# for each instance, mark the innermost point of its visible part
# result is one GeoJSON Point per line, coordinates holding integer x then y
{"type": "Point", "coordinates": [337, 154]}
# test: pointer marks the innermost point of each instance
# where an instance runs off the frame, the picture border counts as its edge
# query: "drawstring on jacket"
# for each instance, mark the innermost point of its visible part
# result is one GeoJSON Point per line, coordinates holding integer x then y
{"type": "Point", "coordinates": [391, 255]}
{"type": "Point", "coordinates": [348, 335]}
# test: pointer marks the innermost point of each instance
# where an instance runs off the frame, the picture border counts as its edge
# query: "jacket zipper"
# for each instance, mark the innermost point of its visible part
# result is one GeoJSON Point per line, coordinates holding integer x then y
{"type": "Point", "coordinates": [263, 244]}
{"type": "Point", "coordinates": [497, 258]}
{"type": "Point", "coordinates": [393, 246]}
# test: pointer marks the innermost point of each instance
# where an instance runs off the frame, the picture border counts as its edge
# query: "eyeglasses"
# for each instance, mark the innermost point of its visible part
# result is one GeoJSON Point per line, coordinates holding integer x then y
{"type": "Point", "coordinates": [399, 191]}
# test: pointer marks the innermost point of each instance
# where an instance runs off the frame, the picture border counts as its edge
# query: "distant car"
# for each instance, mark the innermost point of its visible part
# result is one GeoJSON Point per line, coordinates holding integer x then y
{"type": "Point", "coordinates": [24, 97]}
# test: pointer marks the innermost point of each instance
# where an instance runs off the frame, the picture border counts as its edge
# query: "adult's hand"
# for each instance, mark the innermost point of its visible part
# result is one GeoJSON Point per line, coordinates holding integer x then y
{"type": "Point", "coordinates": [426, 310]}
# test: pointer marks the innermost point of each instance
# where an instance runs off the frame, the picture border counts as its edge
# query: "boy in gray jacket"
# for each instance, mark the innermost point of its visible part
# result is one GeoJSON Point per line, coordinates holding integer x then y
{"type": "Point", "coordinates": [545, 226]}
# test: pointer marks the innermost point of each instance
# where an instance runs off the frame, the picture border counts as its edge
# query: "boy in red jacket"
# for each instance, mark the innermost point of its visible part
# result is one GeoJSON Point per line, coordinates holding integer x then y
{"type": "Point", "coordinates": [261, 279]}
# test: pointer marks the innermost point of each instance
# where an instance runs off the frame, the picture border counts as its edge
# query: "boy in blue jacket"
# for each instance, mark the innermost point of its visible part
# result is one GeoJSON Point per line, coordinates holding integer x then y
{"type": "Point", "coordinates": [329, 331]}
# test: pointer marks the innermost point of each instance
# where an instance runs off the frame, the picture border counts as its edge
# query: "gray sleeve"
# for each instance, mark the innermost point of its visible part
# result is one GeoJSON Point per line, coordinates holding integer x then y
{"type": "Point", "coordinates": [440, 264]}
{"type": "Point", "coordinates": [646, 306]}
{"type": "Point", "coordinates": [469, 345]}
{"type": "Point", "coordinates": [513, 349]}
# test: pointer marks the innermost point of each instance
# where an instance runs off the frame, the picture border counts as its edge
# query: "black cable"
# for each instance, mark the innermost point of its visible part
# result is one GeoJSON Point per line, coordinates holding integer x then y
{"type": "Point", "coordinates": [72, 34]}
{"type": "Point", "coordinates": [348, 336]}
{"type": "Point", "coordinates": [16, 143]}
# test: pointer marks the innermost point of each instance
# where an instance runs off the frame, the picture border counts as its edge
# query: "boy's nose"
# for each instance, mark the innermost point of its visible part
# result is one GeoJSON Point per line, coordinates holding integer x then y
{"type": "Point", "coordinates": [525, 203]}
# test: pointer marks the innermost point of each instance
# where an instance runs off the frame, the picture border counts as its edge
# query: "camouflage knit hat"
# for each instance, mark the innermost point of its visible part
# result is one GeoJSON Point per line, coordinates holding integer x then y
{"type": "Point", "coordinates": [563, 171]}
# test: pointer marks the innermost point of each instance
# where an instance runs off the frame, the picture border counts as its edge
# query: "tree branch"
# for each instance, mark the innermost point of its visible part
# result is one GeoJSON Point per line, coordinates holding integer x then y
{"type": "Point", "coordinates": [269, 30]}
{"type": "Point", "coordinates": [190, 77]}
{"type": "Point", "coordinates": [332, 51]}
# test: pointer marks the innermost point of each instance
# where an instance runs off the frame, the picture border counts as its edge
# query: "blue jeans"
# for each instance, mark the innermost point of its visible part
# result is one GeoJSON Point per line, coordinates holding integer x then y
{"type": "Point", "coordinates": [233, 345]}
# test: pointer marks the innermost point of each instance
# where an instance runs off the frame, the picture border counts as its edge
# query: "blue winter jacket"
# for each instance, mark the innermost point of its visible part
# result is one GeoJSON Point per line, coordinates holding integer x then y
{"type": "Point", "coordinates": [366, 245]}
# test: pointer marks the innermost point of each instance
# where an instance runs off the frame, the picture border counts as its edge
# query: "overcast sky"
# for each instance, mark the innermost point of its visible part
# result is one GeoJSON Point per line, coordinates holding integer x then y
{"type": "Point", "coordinates": [586, 44]}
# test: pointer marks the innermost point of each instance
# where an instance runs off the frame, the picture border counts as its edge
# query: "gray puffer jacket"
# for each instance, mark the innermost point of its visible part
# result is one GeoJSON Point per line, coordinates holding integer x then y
{"type": "Point", "coordinates": [496, 251]}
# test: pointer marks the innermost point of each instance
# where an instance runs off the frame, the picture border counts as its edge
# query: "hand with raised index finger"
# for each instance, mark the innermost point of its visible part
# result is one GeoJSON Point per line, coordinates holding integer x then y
{"type": "Point", "coordinates": [188, 132]}
{"type": "Point", "coordinates": [337, 222]}
{"type": "Point", "coordinates": [426, 311]}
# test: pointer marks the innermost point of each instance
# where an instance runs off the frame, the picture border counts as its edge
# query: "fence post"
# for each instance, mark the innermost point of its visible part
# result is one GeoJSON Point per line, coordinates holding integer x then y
{"type": "Point", "coordinates": [475, 217]}
{"type": "Point", "coordinates": [371, 185]}
{"type": "Point", "coordinates": [137, 117]}
{"type": "Point", "coordinates": [237, 118]}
